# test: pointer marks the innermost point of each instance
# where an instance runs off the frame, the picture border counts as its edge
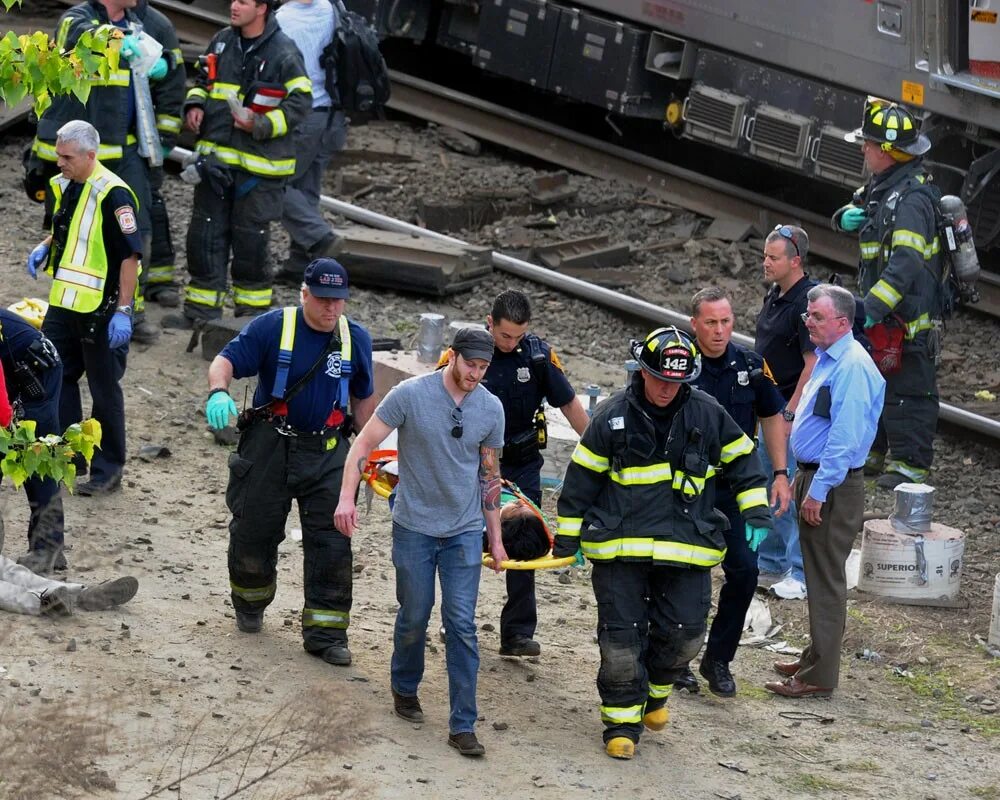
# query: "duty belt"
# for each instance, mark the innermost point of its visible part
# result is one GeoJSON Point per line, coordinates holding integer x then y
{"type": "Point", "coordinates": [815, 467]}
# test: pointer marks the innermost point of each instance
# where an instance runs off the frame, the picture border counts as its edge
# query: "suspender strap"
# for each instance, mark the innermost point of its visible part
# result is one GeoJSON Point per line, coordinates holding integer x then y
{"type": "Point", "coordinates": [286, 343]}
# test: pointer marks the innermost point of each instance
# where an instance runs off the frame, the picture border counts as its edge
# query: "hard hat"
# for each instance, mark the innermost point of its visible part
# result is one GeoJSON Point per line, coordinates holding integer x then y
{"type": "Point", "coordinates": [668, 354]}
{"type": "Point", "coordinates": [892, 126]}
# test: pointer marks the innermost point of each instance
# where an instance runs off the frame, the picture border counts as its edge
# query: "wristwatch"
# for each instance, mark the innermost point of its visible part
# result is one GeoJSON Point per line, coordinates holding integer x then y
{"type": "Point", "coordinates": [778, 472]}
{"type": "Point", "coordinates": [126, 310]}
{"type": "Point", "coordinates": [788, 416]}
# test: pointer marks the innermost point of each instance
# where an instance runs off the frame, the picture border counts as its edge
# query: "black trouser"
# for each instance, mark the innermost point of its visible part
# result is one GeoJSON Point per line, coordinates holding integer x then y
{"type": "Point", "coordinates": [160, 272]}
{"type": "Point", "coordinates": [650, 624]}
{"type": "Point", "coordinates": [46, 524]}
{"type": "Point", "coordinates": [910, 413]}
{"type": "Point", "coordinates": [266, 472]}
{"type": "Point", "coordinates": [520, 613]}
{"type": "Point", "coordinates": [240, 220]}
{"type": "Point", "coordinates": [104, 368]}
{"type": "Point", "coordinates": [740, 568]}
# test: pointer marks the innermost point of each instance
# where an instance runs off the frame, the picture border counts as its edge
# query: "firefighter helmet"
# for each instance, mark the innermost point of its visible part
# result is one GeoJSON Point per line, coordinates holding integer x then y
{"type": "Point", "coordinates": [891, 126]}
{"type": "Point", "coordinates": [668, 354]}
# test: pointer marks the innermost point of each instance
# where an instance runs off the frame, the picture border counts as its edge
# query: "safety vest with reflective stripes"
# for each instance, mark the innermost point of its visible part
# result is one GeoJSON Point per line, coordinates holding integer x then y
{"type": "Point", "coordinates": [286, 345]}
{"type": "Point", "coordinates": [625, 498]}
{"type": "Point", "coordinates": [81, 274]}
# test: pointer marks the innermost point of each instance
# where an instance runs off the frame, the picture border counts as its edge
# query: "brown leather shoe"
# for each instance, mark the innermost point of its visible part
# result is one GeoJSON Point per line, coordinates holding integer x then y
{"type": "Point", "coordinates": [787, 669]}
{"type": "Point", "coordinates": [793, 687]}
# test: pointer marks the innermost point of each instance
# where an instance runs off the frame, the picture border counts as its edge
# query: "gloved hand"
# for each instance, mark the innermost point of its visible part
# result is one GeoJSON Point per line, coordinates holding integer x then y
{"type": "Point", "coordinates": [219, 178]}
{"type": "Point", "coordinates": [167, 150]}
{"type": "Point", "coordinates": [852, 219]}
{"type": "Point", "coordinates": [755, 536]}
{"type": "Point", "coordinates": [130, 47]}
{"type": "Point", "coordinates": [219, 408]}
{"type": "Point", "coordinates": [37, 259]}
{"type": "Point", "coordinates": [119, 330]}
{"type": "Point", "coordinates": [869, 321]}
{"type": "Point", "coordinates": [159, 70]}
{"type": "Point", "coordinates": [579, 561]}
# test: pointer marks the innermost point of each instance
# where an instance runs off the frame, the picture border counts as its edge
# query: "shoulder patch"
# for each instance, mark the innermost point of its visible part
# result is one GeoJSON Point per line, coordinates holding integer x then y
{"type": "Point", "coordinates": [126, 219]}
{"type": "Point", "coordinates": [617, 423]}
{"type": "Point", "coordinates": [555, 359]}
{"type": "Point", "coordinates": [767, 371]}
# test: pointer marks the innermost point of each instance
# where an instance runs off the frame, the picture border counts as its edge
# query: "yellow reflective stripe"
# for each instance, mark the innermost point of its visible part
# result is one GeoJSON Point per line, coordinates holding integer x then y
{"type": "Point", "coordinates": [249, 162]}
{"type": "Point", "coordinates": [642, 476]}
{"type": "Point", "coordinates": [687, 554]}
{"type": "Point", "coordinates": [621, 714]}
{"type": "Point", "coordinates": [220, 90]}
{"type": "Point", "coordinates": [287, 341]}
{"type": "Point", "coordinates": [203, 297]}
{"type": "Point", "coordinates": [253, 595]}
{"type": "Point", "coordinates": [168, 123]}
{"type": "Point", "coordinates": [80, 278]}
{"type": "Point", "coordinates": [632, 547]}
{"type": "Point", "coordinates": [736, 448]}
{"type": "Point", "coordinates": [904, 238]}
{"type": "Point", "coordinates": [589, 459]}
{"type": "Point", "coordinates": [869, 250]}
{"type": "Point", "coordinates": [752, 498]}
{"type": "Point", "coordinates": [300, 84]}
{"type": "Point", "coordinates": [921, 323]}
{"type": "Point", "coordinates": [279, 127]}
{"type": "Point", "coordinates": [178, 55]}
{"type": "Point", "coordinates": [196, 93]}
{"type": "Point", "coordinates": [161, 274]}
{"type": "Point", "coordinates": [886, 293]}
{"type": "Point", "coordinates": [63, 33]}
{"type": "Point", "coordinates": [916, 474]}
{"type": "Point", "coordinates": [689, 484]}
{"type": "Point", "coordinates": [105, 152]}
{"type": "Point", "coordinates": [119, 77]}
{"type": "Point", "coordinates": [325, 618]}
{"type": "Point", "coordinates": [660, 691]}
{"type": "Point", "coordinates": [569, 526]}
{"type": "Point", "coordinates": [345, 339]}
{"type": "Point", "coordinates": [252, 297]}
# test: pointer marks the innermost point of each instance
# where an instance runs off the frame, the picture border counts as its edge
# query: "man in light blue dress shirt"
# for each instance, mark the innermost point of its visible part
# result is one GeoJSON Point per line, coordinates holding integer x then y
{"type": "Point", "coordinates": [834, 428]}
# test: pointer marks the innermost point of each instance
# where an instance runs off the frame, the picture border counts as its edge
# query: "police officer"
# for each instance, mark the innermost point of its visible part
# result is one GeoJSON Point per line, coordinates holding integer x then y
{"type": "Point", "coordinates": [900, 279]}
{"type": "Point", "coordinates": [34, 377]}
{"type": "Point", "coordinates": [525, 373]}
{"type": "Point", "coordinates": [742, 383]}
{"type": "Point", "coordinates": [246, 155]}
{"type": "Point", "coordinates": [93, 252]}
{"type": "Point", "coordinates": [311, 362]}
{"type": "Point", "coordinates": [111, 108]}
{"type": "Point", "coordinates": [638, 499]}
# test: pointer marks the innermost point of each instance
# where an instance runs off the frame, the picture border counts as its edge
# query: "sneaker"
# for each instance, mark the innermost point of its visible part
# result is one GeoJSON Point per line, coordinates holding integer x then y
{"type": "Point", "coordinates": [56, 602]}
{"type": "Point", "coordinates": [168, 296]}
{"type": "Point", "coordinates": [144, 332]}
{"type": "Point", "coordinates": [466, 743]}
{"type": "Point", "coordinates": [720, 680]}
{"type": "Point", "coordinates": [95, 488]}
{"type": "Point", "coordinates": [177, 322]}
{"type": "Point", "coordinates": [337, 654]}
{"type": "Point", "coordinates": [765, 580]}
{"type": "Point", "coordinates": [687, 682]}
{"type": "Point", "coordinates": [407, 707]}
{"type": "Point", "coordinates": [890, 480]}
{"type": "Point", "coordinates": [108, 594]}
{"type": "Point", "coordinates": [620, 747]}
{"type": "Point", "coordinates": [789, 589]}
{"type": "Point", "coordinates": [43, 562]}
{"type": "Point", "coordinates": [520, 646]}
{"type": "Point", "coordinates": [249, 621]}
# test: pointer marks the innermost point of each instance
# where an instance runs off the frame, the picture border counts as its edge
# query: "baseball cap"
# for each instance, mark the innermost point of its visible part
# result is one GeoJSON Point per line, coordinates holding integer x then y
{"type": "Point", "coordinates": [327, 278]}
{"type": "Point", "coordinates": [473, 343]}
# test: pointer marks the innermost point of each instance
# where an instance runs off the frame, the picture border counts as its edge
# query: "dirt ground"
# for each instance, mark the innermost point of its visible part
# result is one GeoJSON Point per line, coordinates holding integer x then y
{"type": "Point", "coordinates": [164, 697]}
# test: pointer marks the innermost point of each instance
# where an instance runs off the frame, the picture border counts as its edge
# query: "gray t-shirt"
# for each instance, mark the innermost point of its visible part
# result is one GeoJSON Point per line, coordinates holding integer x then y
{"type": "Point", "coordinates": [438, 492]}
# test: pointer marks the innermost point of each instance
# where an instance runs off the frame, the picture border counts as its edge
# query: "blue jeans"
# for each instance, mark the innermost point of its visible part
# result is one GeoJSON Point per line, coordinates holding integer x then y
{"type": "Point", "coordinates": [780, 551]}
{"type": "Point", "coordinates": [458, 562]}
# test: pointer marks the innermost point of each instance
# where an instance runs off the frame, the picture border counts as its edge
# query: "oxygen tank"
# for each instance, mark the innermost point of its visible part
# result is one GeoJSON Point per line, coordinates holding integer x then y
{"type": "Point", "coordinates": [961, 249]}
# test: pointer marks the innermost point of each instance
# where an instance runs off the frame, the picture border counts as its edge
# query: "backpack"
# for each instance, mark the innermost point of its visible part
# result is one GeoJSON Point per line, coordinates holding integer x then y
{"type": "Point", "coordinates": [357, 78]}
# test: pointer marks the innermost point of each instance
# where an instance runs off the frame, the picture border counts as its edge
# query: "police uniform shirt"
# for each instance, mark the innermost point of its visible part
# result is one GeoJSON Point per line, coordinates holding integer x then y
{"type": "Point", "coordinates": [255, 352]}
{"type": "Point", "coordinates": [18, 335]}
{"type": "Point", "coordinates": [119, 228]}
{"type": "Point", "coordinates": [514, 381]}
{"type": "Point", "coordinates": [729, 379]}
{"type": "Point", "coordinates": [782, 337]}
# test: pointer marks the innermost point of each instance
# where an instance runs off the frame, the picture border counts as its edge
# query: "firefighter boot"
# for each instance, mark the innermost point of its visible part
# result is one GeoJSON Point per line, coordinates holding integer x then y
{"type": "Point", "coordinates": [249, 621]}
{"type": "Point", "coordinates": [657, 719]}
{"type": "Point", "coordinates": [620, 747]}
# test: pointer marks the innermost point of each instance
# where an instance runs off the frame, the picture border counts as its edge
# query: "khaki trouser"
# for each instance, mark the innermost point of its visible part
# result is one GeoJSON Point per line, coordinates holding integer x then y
{"type": "Point", "coordinates": [21, 589]}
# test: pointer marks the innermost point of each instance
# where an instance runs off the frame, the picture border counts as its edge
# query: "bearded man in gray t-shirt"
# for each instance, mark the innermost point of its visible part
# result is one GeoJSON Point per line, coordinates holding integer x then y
{"type": "Point", "coordinates": [450, 436]}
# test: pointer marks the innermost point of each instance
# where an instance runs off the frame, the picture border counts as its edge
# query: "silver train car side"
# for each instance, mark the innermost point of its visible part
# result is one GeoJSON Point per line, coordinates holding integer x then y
{"type": "Point", "coordinates": [779, 81]}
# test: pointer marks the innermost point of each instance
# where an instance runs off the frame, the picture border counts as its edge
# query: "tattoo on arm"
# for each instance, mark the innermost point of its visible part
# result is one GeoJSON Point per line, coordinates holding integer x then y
{"type": "Point", "coordinates": [489, 477]}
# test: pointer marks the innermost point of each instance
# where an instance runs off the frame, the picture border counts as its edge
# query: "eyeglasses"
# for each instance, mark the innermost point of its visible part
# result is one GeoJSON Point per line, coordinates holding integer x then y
{"type": "Point", "coordinates": [785, 232]}
{"type": "Point", "coordinates": [819, 319]}
{"type": "Point", "coordinates": [456, 417]}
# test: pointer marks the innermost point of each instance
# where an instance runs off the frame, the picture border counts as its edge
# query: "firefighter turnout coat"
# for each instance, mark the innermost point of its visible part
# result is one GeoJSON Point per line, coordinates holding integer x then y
{"type": "Point", "coordinates": [626, 499]}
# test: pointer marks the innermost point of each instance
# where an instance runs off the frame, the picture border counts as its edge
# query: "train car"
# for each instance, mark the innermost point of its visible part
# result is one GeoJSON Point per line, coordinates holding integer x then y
{"type": "Point", "coordinates": [775, 81]}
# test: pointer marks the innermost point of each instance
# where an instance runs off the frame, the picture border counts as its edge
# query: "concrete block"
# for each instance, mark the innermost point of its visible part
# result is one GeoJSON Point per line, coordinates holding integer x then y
{"type": "Point", "coordinates": [217, 333]}
{"type": "Point", "coordinates": [393, 367]}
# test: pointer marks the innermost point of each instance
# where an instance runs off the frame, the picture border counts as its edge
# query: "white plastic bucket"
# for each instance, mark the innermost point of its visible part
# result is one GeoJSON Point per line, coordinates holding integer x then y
{"type": "Point", "coordinates": [912, 568]}
{"type": "Point", "coordinates": [994, 637]}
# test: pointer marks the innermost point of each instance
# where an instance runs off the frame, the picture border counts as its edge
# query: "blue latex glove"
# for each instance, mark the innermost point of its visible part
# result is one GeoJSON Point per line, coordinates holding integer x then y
{"type": "Point", "coordinates": [219, 408]}
{"type": "Point", "coordinates": [159, 70]}
{"type": "Point", "coordinates": [579, 560]}
{"type": "Point", "coordinates": [167, 150]}
{"type": "Point", "coordinates": [755, 536]}
{"type": "Point", "coordinates": [130, 47]}
{"type": "Point", "coordinates": [852, 219]}
{"type": "Point", "coordinates": [869, 321]}
{"type": "Point", "coordinates": [37, 259]}
{"type": "Point", "coordinates": [119, 330]}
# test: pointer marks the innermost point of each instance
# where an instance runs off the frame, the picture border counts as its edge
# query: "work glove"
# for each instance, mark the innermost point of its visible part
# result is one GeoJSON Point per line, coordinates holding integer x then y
{"type": "Point", "coordinates": [167, 150]}
{"type": "Point", "coordinates": [37, 259]}
{"type": "Point", "coordinates": [219, 178]}
{"type": "Point", "coordinates": [159, 70]}
{"type": "Point", "coordinates": [852, 218]}
{"type": "Point", "coordinates": [869, 321]}
{"type": "Point", "coordinates": [119, 330]}
{"type": "Point", "coordinates": [130, 48]}
{"type": "Point", "coordinates": [219, 408]}
{"type": "Point", "coordinates": [755, 536]}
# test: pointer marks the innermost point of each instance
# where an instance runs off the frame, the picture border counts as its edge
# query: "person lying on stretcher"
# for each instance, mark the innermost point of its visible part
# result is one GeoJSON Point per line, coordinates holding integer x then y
{"type": "Point", "coordinates": [525, 534]}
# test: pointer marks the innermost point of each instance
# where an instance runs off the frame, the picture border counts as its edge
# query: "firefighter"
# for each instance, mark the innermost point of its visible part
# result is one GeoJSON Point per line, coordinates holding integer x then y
{"type": "Point", "coordinates": [638, 499]}
{"type": "Point", "coordinates": [246, 154]}
{"type": "Point", "coordinates": [313, 365]}
{"type": "Point", "coordinates": [112, 109]}
{"type": "Point", "coordinates": [901, 280]}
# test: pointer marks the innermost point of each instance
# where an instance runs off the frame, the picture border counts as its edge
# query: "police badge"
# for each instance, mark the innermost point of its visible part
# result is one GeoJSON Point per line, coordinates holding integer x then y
{"type": "Point", "coordinates": [743, 378]}
{"type": "Point", "coordinates": [523, 374]}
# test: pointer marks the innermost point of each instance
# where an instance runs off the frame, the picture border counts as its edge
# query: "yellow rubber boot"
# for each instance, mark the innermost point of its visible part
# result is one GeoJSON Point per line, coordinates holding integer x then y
{"type": "Point", "coordinates": [656, 720]}
{"type": "Point", "coordinates": [620, 747]}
